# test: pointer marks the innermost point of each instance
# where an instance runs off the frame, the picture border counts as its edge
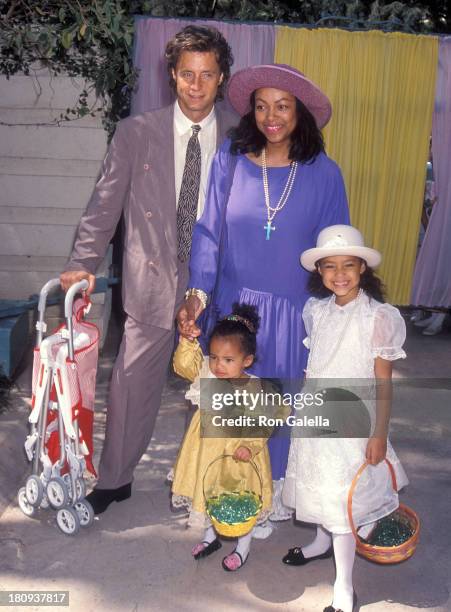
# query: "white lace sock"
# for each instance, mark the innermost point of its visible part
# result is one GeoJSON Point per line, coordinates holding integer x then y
{"type": "Point", "coordinates": [320, 544]}
{"type": "Point", "coordinates": [344, 551]}
{"type": "Point", "coordinates": [209, 535]}
{"type": "Point", "coordinates": [244, 544]}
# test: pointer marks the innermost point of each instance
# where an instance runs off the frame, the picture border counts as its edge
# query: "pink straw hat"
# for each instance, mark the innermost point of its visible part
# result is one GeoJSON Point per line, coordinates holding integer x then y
{"type": "Point", "coordinates": [278, 76]}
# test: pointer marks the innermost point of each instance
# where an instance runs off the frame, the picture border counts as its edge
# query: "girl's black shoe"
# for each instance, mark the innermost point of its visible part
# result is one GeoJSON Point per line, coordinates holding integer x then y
{"type": "Point", "coordinates": [332, 609]}
{"type": "Point", "coordinates": [295, 556]}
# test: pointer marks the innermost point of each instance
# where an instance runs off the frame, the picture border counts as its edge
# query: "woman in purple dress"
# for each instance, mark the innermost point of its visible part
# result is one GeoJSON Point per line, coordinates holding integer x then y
{"type": "Point", "coordinates": [282, 191]}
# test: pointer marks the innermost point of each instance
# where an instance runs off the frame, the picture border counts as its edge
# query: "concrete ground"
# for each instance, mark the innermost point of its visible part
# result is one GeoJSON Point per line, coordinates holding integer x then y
{"type": "Point", "coordinates": [136, 556]}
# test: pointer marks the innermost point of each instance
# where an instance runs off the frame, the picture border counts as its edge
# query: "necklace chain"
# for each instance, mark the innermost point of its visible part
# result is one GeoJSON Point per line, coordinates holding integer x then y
{"type": "Point", "coordinates": [317, 370]}
{"type": "Point", "coordinates": [272, 211]}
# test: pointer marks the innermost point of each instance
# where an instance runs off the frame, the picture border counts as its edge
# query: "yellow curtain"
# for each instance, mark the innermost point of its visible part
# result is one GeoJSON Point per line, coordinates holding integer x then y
{"type": "Point", "coordinates": [382, 91]}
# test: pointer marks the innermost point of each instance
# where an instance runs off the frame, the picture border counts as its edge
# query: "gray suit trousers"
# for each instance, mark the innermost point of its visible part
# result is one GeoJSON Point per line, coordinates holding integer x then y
{"type": "Point", "coordinates": [137, 383]}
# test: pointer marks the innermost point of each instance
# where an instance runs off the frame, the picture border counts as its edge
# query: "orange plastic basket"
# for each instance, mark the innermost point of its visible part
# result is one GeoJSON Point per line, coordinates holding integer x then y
{"type": "Point", "coordinates": [385, 554]}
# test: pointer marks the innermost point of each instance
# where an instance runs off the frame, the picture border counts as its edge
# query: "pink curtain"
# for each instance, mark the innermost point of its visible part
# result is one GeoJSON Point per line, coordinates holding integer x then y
{"type": "Point", "coordinates": [432, 277]}
{"type": "Point", "coordinates": [251, 44]}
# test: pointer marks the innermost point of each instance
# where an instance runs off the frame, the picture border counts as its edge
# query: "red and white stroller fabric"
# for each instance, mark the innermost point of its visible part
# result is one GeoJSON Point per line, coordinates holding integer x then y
{"type": "Point", "coordinates": [73, 383]}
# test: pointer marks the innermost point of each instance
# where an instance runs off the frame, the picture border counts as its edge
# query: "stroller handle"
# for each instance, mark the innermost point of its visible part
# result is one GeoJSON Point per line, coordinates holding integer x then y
{"type": "Point", "coordinates": [71, 293]}
{"type": "Point", "coordinates": [68, 303]}
{"type": "Point", "coordinates": [49, 285]}
{"type": "Point", "coordinates": [40, 325]}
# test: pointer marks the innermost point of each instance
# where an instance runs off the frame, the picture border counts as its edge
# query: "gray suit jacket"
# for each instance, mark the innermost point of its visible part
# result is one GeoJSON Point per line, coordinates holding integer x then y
{"type": "Point", "coordinates": [137, 179]}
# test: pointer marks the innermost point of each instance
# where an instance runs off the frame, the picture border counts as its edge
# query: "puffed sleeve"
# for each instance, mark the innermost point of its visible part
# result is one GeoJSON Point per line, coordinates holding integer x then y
{"type": "Point", "coordinates": [207, 231]}
{"type": "Point", "coordinates": [188, 359]}
{"type": "Point", "coordinates": [389, 333]}
{"type": "Point", "coordinates": [307, 315]}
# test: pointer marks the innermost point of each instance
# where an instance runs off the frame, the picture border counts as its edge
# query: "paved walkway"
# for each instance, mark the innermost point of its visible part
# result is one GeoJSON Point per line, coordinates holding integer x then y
{"type": "Point", "coordinates": [136, 556]}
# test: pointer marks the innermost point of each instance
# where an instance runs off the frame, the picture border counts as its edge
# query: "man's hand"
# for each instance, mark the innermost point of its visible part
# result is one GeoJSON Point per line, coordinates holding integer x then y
{"type": "Point", "coordinates": [376, 450]}
{"type": "Point", "coordinates": [242, 453]}
{"type": "Point", "coordinates": [67, 279]}
{"type": "Point", "coordinates": [187, 316]}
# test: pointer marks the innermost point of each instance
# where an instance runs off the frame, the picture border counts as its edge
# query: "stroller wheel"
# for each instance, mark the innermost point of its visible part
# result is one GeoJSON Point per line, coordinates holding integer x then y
{"type": "Point", "coordinates": [81, 488]}
{"type": "Point", "coordinates": [68, 521]}
{"type": "Point", "coordinates": [85, 513]}
{"type": "Point", "coordinates": [57, 493]}
{"type": "Point", "coordinates": [34, 490]}
{"type": "Point", "coordinates": [24, 504]}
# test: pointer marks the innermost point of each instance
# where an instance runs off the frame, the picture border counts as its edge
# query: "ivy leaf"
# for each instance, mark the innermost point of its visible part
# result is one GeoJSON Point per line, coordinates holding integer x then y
{"type": "Point", "coordinates": [66, 39]}
{"type": "Point", "coordinates": [128, 39]}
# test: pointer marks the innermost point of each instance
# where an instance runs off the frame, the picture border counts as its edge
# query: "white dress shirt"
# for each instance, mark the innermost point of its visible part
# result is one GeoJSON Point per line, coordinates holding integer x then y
{"type": "Point", "coordinates": [207, 141]}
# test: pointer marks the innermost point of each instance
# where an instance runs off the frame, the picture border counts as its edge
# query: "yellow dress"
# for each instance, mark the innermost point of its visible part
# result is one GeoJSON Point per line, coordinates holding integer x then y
{"type": "Point", "coordinates": [197, 453]}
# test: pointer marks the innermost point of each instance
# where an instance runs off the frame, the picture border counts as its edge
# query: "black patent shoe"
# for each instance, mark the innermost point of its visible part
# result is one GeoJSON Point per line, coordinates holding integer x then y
{"type": "Point", "coordinates": [295, 556]}
{"type": "Point", "coordinates": [208, 549]}
{"type": "Point", "coordinates": [332, 609]}
{"type": "Point", "coordinates": [100, 499]}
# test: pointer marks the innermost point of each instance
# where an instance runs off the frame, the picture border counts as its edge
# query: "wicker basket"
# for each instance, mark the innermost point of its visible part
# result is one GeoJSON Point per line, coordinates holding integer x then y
{"type": "Point", "coordinates": [385, 554]}
{"type": "Point", "coordinates": [233, 530]}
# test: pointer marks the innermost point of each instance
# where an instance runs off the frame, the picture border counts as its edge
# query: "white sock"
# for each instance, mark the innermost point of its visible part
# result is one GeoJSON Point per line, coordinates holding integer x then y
{"type": "Point", "coordinates": [344, 551]}
{"type": "Point", "coordinates": [244, 544]}
{"type": "Point", "coordinates": [209, 535]}
{"type": "Point", "coordinates": [320, 544]}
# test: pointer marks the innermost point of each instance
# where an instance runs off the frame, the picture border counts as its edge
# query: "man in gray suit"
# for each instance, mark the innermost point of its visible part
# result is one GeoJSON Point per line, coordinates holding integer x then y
{"type": "Point", "coordinates": [142, 178]}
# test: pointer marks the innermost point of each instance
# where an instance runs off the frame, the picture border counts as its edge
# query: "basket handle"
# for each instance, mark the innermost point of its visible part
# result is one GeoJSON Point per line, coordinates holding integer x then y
{"type": "Point", "coordinates": [354, 484]}
{"type": "Point", "coordinates": [223, 457]}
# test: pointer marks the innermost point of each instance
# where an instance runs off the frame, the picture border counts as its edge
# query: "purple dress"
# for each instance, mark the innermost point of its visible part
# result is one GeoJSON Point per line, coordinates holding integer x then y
{"type": "Point", "coordinates": [261, 272]}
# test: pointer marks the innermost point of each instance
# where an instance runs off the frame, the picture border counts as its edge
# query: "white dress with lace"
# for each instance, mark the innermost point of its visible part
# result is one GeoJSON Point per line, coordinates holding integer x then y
{"type": "Point", "coordinates": [344, 342]}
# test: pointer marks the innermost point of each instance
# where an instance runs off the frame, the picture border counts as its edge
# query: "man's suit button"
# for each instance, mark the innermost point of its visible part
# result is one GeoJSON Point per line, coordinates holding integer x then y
{"type": "Point", "coordinates": [148, 214]}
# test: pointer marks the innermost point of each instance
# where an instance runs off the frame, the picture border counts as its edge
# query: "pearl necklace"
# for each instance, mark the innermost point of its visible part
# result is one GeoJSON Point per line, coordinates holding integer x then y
{"type": "Point", "coordinates": [317, 370]}
{"type": "Point", "coordinates": [270, 210]}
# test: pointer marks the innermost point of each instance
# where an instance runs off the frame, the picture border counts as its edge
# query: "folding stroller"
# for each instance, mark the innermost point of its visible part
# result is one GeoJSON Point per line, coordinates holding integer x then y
{"type": "Point", "coordinates": [60, 442]}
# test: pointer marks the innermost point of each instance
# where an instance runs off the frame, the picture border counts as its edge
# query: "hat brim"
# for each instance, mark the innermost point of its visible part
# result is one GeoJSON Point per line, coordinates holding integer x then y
{"type": "Point", "coordinates": [245, 81]}
{"type": "Point", "coordinates": [309, 258]}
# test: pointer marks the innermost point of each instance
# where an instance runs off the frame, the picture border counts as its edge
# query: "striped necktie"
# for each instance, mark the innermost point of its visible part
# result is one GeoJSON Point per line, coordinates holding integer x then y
{"type": "Point", "coordinates": [189, 196]}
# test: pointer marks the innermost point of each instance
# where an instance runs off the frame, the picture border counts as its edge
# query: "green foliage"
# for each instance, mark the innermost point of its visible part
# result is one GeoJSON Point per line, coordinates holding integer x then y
{"type": "Point", "coordinates": [93, 39]}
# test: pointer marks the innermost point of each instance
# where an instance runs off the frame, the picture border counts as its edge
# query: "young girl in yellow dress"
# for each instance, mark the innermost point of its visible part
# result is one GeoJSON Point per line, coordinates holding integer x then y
{"type": "Point", "coordinates": [232, 349]}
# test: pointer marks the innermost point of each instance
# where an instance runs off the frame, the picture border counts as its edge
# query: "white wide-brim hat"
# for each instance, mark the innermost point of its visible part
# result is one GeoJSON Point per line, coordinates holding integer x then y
{"type": "Point", "coordinates": [339, 240]}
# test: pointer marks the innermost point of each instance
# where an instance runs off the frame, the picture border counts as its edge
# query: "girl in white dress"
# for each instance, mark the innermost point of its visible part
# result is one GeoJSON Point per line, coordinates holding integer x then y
{"type": "Point", "coordinates": [351, 334]}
